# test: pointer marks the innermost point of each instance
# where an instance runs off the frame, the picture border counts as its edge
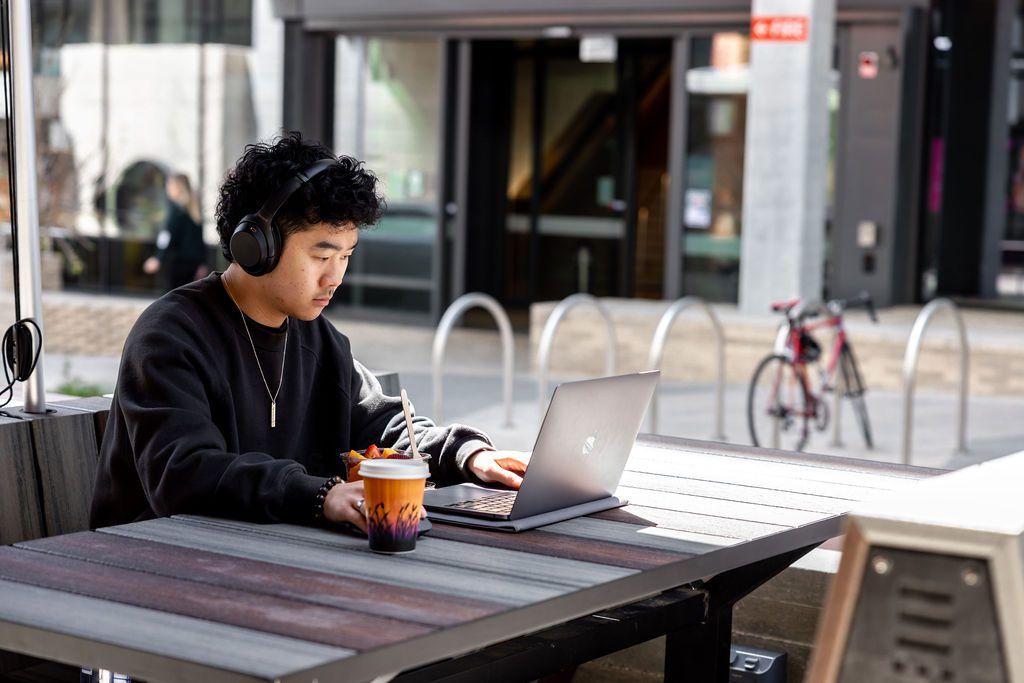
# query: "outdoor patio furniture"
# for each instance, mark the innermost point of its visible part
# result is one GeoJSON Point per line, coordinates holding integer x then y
{"type": "Point", "coordinates": [211, 599]}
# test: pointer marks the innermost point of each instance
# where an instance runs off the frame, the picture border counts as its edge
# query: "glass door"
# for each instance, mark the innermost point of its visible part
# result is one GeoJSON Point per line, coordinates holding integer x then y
{"type": "Point", "coordinates": [564, 216]}
{"type": "Point", "coordinates": [586, 171]}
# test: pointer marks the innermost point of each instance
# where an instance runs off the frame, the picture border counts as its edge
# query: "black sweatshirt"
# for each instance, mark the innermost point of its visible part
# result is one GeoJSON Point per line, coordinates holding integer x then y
{"type": "Point", "coordinates": [189, 427]}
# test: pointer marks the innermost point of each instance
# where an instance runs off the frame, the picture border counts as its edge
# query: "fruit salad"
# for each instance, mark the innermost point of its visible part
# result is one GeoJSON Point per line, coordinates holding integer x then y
{"type": "Point", "coordinates": [353, 459]}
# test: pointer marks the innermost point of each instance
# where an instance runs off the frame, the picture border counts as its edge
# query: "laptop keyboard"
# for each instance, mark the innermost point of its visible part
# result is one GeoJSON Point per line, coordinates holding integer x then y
{"type": "Point", "coordinates": [497, 504]}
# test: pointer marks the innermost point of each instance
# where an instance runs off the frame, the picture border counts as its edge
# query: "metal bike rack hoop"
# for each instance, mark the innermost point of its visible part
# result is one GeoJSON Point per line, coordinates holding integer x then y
{"type": "Point", "coordinates": [657, 354]}
{"type": "Point", "coordinates": [910, 373]}
{"type": "Point", "coordinates": [547, 336]}
{"type": "Point", "coordinates": [444, 328]}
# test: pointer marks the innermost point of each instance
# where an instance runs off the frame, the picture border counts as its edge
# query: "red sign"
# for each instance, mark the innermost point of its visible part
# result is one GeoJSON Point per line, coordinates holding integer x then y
{"type": "Point", "coordinates": [791, 29]}
{"type": "Point", "coordinates": [867, 65]}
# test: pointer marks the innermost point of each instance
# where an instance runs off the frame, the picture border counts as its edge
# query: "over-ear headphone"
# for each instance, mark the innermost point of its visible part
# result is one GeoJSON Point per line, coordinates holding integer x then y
{"type": "Point", "coordinates": [256, 242]}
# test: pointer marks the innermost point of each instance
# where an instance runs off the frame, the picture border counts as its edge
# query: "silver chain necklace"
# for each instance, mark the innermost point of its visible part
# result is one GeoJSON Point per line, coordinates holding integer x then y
{"type": "Point", "coordinates": [284, 354]}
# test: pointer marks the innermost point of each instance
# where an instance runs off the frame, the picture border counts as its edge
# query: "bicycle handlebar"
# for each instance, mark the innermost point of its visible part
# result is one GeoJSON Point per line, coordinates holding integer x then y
{"type": "Point", "coordinates": [795, 309]}
{"type": "Point", "coordinates": [784, 306]}
{"type": "Point", "coordinates": [862, 300]}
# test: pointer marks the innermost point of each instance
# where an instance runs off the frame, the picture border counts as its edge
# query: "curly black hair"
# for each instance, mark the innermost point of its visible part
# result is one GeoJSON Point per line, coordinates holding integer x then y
{"type": "Point", "coordinates": [345, 193]}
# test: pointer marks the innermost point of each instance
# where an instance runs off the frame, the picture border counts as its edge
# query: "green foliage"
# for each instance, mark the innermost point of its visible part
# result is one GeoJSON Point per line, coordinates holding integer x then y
{"type": "Point", "coordinates": [79, 387]}
{"type": "Point", "coordinates": [76, 386]}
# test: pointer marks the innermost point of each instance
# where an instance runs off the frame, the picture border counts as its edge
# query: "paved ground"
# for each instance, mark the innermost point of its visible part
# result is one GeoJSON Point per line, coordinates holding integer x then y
{"type": "Point", "coordinates": [472, 394]}
{"type": "Point", "coordinates": [473, 391]}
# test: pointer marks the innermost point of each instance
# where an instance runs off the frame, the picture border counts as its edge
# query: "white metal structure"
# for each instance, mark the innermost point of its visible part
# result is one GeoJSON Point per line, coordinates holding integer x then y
{"type": "Point", "coordinates": [657, 354]}
{"type": "Point", "coordinates": [910, 373]}
{"type": "Point", "coordinates": [547, 337]}
{"type": "Point", "coordinates": [444, 328]}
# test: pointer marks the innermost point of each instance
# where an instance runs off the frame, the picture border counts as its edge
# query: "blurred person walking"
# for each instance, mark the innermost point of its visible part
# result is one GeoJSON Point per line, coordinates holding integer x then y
{"type": "Point", "coordinates": [181, 253]}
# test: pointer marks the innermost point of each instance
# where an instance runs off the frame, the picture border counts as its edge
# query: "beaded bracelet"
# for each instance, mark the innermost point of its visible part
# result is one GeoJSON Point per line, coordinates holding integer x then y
{"type": "Point", "coordinates": [321, 495]}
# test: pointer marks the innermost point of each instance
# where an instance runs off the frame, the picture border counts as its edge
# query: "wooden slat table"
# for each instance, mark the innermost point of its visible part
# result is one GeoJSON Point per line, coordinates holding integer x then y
{"type": "Point", "coordinates": [189, 598]}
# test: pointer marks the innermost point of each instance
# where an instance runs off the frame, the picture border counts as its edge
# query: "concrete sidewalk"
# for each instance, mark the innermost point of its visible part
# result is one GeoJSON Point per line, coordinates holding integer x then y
{"type": "Point", "coordinates": [994, 427]}
{"type": "Point", "coordinates": [473, 395]}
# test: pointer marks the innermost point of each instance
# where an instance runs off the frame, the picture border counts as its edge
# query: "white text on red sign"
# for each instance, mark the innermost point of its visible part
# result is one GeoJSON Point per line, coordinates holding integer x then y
{"type": "Point", "coordinates": [791, 29]}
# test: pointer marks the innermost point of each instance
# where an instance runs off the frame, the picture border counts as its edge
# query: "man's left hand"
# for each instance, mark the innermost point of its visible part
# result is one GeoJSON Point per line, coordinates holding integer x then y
{"type": "Point", "coordinates": [499, 467]}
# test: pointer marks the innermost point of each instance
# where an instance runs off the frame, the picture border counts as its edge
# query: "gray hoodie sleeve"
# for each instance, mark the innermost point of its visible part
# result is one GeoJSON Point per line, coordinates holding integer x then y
{"type": "Point", "coordinates": [378, 418]}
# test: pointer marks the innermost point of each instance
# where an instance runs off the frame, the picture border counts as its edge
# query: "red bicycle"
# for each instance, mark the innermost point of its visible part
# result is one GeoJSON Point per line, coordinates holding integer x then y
{"type": "Point", "coordinates": [782, 403]}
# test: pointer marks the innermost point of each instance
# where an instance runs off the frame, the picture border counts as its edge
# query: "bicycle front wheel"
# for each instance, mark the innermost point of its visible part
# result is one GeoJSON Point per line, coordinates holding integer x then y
{"type": "Point", "coordinates": [854, 390]}
{"type": "Point", "coordinates": [777, 413]}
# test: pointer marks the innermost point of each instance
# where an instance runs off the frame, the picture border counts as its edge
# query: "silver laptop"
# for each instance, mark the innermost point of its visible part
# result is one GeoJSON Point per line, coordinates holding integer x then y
{"type": "Point", "coordinates": [577, 461]}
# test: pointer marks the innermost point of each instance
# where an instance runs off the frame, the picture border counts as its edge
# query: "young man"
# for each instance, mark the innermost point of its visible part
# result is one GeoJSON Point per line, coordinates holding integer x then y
{"type": "Point", "coordinates": [235, 396]}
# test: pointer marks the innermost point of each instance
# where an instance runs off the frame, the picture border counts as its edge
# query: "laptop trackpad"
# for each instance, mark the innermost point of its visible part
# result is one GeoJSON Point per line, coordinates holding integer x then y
{"type": "Point", "coordinates": [459, 493]}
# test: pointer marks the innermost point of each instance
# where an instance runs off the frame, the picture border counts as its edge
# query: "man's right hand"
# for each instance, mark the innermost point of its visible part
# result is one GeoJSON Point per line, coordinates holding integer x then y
{"type": "Point", "coordinates": [344, 503]}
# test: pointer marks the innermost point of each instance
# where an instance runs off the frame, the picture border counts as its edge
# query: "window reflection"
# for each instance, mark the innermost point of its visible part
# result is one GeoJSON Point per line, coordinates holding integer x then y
{"type": "Point", "coordinates": [121, 87]}
{"type": "Point", "coordinates": [65, 22]}
{"type": "Point", "coordinates": [388, 111]}
{"type": "Point", "coordinates": [1010, 280]}
{"type": "Point", "coordinates": [717, 83]}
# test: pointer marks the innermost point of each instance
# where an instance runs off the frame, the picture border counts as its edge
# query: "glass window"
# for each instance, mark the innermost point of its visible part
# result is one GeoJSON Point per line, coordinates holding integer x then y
{"type": "Point", "coordinates": [60, 22]}
{"type": "Point", "coordinates": [717, 83]}
{"type": "Point", "coordinates": [519, 191]}
{"type": "Point", "coordinates": [388, 109]}
{"type": "Point", "coordinates": [189, 21]}
{"type": "Point", "coordinates": [65, 22]}
{"type": "Point", "coordinates": [1010, 280]}
{"type": "Point", "coordinates": [102, 163]}
{"type": "Point", "coordinates": [140, 201]}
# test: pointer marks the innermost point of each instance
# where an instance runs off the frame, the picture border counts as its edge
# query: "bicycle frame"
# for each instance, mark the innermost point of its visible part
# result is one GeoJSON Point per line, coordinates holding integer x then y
{"type": "Point", "coordinates": [796, 346]}
{"type": "Point", "coordinates": [791, 345]}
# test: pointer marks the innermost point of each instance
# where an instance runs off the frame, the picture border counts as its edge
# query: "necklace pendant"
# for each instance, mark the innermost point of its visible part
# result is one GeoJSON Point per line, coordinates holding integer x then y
{"type": "Point", "coordinates": [273, 414]}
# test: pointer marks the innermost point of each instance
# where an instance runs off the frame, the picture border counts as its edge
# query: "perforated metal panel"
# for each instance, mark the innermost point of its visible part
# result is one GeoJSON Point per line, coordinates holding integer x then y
{"type": "Point", "coordinates": [924, 617]}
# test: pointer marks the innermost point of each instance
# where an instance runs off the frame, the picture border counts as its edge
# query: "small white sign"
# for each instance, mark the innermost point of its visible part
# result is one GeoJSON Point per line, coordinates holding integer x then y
{"type": "Point", "coordinates": [867, 234]}
{"type": "Point", "coordinates": [697, 209]}
{"type": "Point", "coordinates": [598, 49]}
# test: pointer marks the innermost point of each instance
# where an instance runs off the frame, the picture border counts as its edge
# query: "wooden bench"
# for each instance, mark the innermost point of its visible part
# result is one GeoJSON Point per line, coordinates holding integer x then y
{"type": "Point", "coordinates": [48, 467]}
{"type": "Point", "coordinates": [20, 511]}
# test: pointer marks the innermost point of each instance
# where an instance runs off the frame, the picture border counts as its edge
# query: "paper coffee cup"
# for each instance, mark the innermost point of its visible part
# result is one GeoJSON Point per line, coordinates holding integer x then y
{"type": "Point", "coordinates": [393, 497]}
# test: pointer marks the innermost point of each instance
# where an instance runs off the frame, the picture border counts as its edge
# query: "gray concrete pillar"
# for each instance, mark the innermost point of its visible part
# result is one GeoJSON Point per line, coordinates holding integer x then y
{"type": "Point", "coordinates": [786, 151]}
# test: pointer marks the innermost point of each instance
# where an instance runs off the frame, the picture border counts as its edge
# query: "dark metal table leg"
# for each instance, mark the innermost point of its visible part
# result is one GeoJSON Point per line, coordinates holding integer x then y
{"type": "Point", "coordinates": [700, 653]}
{"type": "Point", "coordinates": [559, 649]}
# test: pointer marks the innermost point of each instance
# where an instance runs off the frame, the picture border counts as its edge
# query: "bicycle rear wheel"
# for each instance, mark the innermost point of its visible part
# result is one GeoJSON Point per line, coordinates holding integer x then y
{"type": "Point", "coordinates": [777, 412]}
{"type": "Point", "coordinates": [854, 389]}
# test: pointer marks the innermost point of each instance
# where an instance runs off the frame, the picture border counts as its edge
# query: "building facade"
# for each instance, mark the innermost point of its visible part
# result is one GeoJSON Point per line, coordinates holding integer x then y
{"type": "Point", "coordinates": [557, 147]}
{"type": "Point", "coordinates": [579, 146]}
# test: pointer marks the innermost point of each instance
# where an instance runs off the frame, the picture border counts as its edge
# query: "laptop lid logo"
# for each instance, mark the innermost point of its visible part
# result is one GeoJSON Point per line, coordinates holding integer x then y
{"type": "Point", "coordinates": [588, 445]}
